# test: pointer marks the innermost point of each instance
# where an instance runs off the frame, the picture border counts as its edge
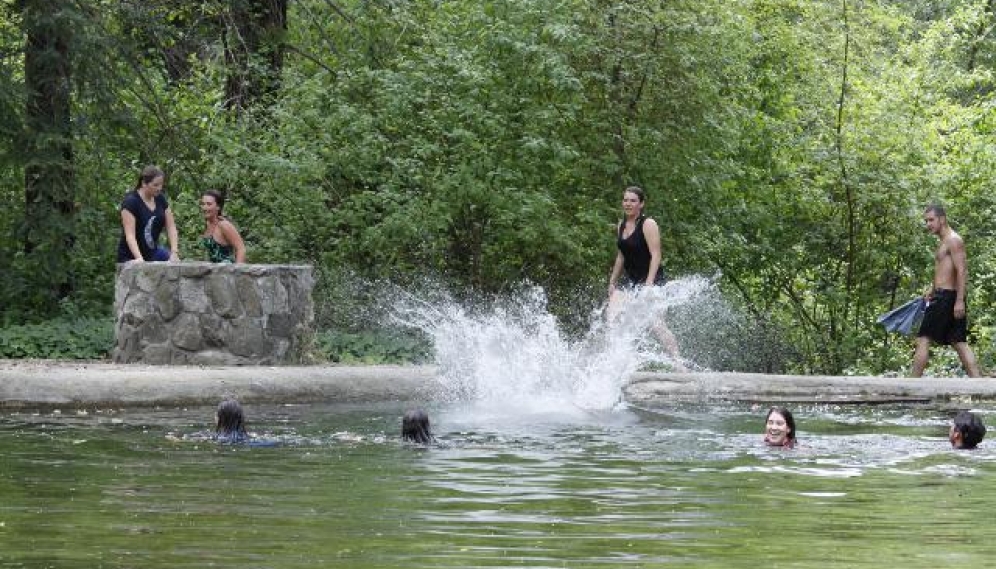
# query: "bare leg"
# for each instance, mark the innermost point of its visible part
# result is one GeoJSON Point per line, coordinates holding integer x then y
{"type": "Point", "coordinates": [920, 356]}
{"type": "Point", "coordinates": [670, 343]}
{"type": "Point", "coordinates": [666, 338]}
{"type": "Point", "coordinates": [617, 300]}
{"type": "Point", "coordinates": [967, 357]}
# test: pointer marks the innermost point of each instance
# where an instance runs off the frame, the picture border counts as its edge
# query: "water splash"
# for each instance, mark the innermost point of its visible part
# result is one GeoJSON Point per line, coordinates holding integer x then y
{"type": "Point", "coordinates": [512, 354]}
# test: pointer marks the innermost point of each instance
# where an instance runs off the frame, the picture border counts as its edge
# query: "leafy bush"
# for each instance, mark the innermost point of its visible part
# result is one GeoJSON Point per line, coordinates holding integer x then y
{"type": "Point", "coordinates": [369, 347]}
{"type": "Point", "coordinates": [64, 338]}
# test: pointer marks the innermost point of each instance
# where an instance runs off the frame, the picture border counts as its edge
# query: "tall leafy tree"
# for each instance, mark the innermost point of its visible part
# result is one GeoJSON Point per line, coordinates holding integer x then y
{"type": "Point", "coordinates": [254, 50]}
{"type": "Point", "coordinates": [49, 173]}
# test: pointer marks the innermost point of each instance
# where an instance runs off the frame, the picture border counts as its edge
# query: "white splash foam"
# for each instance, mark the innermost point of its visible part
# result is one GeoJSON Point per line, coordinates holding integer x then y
{"type": "Point", "coordinates": [513, 355]}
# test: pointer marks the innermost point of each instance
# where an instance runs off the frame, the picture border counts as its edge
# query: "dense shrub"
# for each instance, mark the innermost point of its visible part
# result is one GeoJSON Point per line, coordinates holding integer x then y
{"type": "Point", "coordinates": [63, 338]}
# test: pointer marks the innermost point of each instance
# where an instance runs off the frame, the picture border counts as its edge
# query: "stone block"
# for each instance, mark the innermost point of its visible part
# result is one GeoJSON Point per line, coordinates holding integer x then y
{"type": "Point", "coordinates": [246, 338]}
{"type": "Point", "coordinates": [137, 306]}
{"type": "Point", "coordinates": [222, 295]}
{"type": "Point", "coordinates": [280, 325]}
{"type": "Point", "coordinates": [157, 354]}
{"type": "Point", "coordinates": [195, 270]}
{"type": "Point", "coordinates": [202, 313]}
{"type": "Point", "coordinates": [215, 330]}
{"type": "Point", "coordinates": [273, 295]}
{"type": "Point", "coordinates": [193, 298]}
{"type": "Point", "coordinates": [249, 296]}
{"type": "Point", "coordinates": [167, 300]}
{"type": "Point", "coordinates": [146, 279]}
{"type": "Point", "coordinates": [187, 332]}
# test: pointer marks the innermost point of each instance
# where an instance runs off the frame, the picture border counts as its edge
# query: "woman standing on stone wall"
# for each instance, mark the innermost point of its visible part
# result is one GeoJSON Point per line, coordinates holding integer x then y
{"type": "Point", "coordinates": [144, 214]}
{"type": "Point", "coordinates": [221, 238]}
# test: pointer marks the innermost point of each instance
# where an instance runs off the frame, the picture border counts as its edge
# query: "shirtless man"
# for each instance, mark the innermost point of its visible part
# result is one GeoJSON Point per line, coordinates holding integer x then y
{"type": "Point", "coordinates": [945, 320]}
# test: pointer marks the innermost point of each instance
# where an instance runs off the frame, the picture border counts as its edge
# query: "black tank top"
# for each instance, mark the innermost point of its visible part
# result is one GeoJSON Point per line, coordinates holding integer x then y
{"type": "Point", "coordinates": [636, 254]}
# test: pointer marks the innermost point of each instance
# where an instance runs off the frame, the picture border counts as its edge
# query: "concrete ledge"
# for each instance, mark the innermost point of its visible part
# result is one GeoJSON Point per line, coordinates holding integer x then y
{"type": "Point", "coordinates": [26, 384]}
{"type": "Point", "coordinates": [650, 388]}
{"type": "Point", "coordinates": [111, 385]}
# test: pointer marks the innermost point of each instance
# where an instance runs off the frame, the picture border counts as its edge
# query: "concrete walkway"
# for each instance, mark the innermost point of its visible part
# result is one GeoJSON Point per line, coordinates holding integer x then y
{"type": "Point", "coordinates": [28, 384]}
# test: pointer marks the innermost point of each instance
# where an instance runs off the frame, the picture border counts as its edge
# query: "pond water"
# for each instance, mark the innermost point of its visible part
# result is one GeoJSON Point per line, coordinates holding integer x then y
{"type": "Point", "coordinates": [689, 485]}
{"type": "Point", "coordinates": [538, 464]}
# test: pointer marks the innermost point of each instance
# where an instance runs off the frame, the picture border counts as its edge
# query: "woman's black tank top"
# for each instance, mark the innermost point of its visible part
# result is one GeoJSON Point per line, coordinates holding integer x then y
{"type": "Point", "coordinates": [636, 255]}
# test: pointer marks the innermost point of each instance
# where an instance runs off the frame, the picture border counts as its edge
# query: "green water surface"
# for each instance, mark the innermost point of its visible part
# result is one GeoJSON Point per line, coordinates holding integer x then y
{"type": "Point", "coordinates": [686, 486]}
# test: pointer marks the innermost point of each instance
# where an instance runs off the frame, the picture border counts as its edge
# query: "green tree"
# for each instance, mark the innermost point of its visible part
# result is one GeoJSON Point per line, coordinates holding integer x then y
{"type": "Point", "coordinates": [49, 168]}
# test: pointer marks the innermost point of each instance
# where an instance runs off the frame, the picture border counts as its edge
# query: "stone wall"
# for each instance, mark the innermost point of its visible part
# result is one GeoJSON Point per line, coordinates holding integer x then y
{"type": "Point", "coordinates": [212, 314]}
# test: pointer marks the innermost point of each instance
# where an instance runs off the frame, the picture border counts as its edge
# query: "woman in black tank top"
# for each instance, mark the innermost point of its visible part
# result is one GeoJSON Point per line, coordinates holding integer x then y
{"type": "Point", "coordinates": [638, 239]}
{"type": "Point", "coordinates": [638, 264]}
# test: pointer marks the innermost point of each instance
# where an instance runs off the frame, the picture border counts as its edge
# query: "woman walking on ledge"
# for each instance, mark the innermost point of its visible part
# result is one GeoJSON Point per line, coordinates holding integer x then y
{"type": "Point", "coordinates": [638, 262]}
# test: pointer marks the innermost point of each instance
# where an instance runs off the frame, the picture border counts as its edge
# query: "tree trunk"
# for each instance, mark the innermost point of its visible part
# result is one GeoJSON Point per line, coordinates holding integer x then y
{"type": "Point", "coordinates": [49, 182]}
{"type": "Point", "coordinates": [254, 51]}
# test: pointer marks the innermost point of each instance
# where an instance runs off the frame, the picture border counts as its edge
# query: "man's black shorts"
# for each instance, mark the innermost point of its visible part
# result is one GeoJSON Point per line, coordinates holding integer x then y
{"type": "Point", "coordinates": [939, 323]}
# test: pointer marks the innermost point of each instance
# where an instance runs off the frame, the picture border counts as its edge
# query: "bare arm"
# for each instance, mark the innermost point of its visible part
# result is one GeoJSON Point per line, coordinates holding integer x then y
{"type": "Point", "coordinates": [652, 234]}
{"type": "Point", "coordinates": [956, 248]}
{"type": "Point", "coordinates": [128, 225]}
{"type": "Point", "coordinates": [232, 236]}
{"type": "Point", "coordinates": [174, 237]}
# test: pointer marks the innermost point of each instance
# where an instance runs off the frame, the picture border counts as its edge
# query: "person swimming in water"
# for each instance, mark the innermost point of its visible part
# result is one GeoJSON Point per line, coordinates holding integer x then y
{"type": "Point", "coordinates": [967, 430]}
{"type": "Point", "coordinates": [415, 427]}
{"type": "Point", "coordinates": [779, 428]}
{"type": "Point", "coordinates": [230, 423]}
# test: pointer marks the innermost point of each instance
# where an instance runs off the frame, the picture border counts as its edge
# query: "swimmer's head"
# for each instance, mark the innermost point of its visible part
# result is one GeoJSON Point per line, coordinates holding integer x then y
{"type": "Point", "coordinates": [230, 418]}
{"type": "Point", "coordinates": [415, 427]}
{"type": "Point", "coordinates": [966, 430]}
{"type": "Point", "coordinates": [779, 428]}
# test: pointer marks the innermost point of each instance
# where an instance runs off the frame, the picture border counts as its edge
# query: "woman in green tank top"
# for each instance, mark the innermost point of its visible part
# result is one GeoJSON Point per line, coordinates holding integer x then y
{"type": "Point", "coordinates": [221, 238]}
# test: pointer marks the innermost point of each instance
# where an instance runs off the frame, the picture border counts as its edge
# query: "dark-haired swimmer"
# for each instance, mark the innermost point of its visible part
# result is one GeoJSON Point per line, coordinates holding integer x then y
{"type": "Point", "coordinates": [967, 430]}
{"type": "Point", "coordinates": [415, 427]}
{"type": "Point", "coordinates": [779, 428]}
{"type": "Point", "coordinates": [230, 423]}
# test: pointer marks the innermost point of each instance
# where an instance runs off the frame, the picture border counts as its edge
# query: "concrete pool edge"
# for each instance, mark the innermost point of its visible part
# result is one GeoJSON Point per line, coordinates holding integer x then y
{"type": "Point", "coordinates": [26, 384]}
{"type": "Point", "coordinates": [48, 384]}
{"type": "Point", "coordinates": [650, 388]}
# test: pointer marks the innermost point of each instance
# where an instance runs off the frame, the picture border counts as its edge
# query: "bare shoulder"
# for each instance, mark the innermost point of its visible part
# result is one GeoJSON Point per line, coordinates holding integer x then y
{"type": "Point", "coordinates": [953, 243]}
{"type": "Point", "coordinates": [649, 223]}
{"type": "Point", "coordinates": [225, 224]}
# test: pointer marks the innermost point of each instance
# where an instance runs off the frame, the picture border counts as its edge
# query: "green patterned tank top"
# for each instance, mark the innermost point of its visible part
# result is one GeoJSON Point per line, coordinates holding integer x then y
{"type": "Point", "coordinates": [218, 253]}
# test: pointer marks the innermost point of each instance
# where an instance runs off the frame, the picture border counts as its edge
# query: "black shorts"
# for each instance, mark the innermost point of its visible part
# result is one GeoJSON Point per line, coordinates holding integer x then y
{"type": "Point", "coordinates": [627, 282]}
{"type": "Point", "coordinates": [939, 323]}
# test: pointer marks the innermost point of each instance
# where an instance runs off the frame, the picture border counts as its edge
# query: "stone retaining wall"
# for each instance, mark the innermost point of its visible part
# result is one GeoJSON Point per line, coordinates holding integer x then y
{"type": "Point", "coordinates": [212, 314]}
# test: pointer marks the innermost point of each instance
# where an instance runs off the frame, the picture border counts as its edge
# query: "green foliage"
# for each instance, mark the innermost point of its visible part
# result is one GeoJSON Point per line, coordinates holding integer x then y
{"type": "Point", "coordinates": [788, 146]}
{"type": "Point", "coordinates": [77, 338]}
{"type": "Point", "coordinates": [372, 347]}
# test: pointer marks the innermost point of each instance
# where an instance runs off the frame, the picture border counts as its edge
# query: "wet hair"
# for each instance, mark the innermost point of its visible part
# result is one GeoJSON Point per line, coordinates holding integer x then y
{"type": "Point", "coordinates": [231, 421]}
{"type": "Point", "coordinates": [415, 427]}
{"type": "Point", "coordinates": [638, 191]}
{"type": "Point", "coordinates": [148, 174]}
{"type": "Point", "coordinates": [971, 428]}
{"type": "Point", "coordinates": [937, 209]}
{"type": "Point", "coordinates": [219, 198]}
{"type": "Point", "coordinates": [789, 420]}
